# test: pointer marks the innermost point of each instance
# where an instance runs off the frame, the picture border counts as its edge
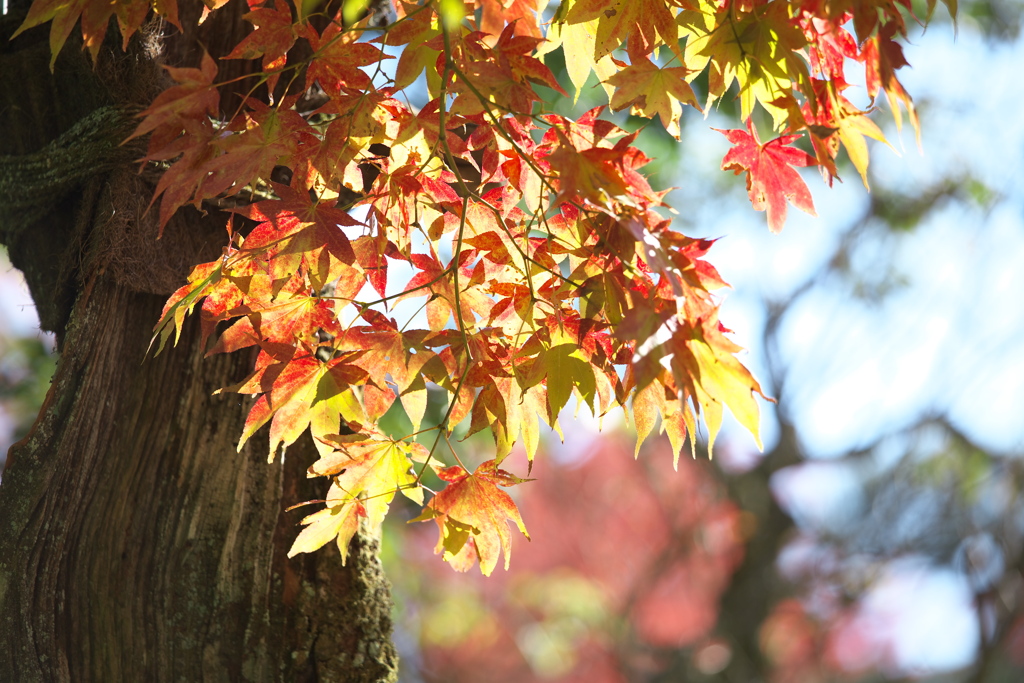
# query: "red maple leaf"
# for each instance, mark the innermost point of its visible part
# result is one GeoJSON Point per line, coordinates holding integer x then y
{"type": "Point", "coordinates": [770, 180]}
{"type": "Point", "coordinates": [299, 231]}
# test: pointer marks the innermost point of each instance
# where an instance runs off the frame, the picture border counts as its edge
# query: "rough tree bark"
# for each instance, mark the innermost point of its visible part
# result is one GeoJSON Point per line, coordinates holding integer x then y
{"type": "Point", "coordinates": [135, 543]}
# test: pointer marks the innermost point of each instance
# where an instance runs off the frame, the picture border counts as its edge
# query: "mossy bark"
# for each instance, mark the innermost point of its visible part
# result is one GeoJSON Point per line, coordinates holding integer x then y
{"type": "Point", "coordinates": [136, 543]}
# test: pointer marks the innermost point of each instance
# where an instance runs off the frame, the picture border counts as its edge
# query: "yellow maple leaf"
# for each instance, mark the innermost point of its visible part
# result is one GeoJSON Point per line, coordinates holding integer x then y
{"type": "Point", "coordinates": [371, 468]}
{"type": "Point", "coordinates": [650, 90]}
{"type": "Point", "coordinates": [339, 521]}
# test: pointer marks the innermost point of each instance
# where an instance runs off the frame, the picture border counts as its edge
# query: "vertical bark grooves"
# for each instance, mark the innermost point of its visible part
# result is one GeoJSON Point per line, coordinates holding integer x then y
{"type": "Point", "coordinates": [136, 544]}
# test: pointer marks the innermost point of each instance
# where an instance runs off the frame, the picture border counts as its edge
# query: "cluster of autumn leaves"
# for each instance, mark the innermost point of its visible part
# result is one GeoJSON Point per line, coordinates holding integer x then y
{"type": "Point", "coordinates": [541, 254]}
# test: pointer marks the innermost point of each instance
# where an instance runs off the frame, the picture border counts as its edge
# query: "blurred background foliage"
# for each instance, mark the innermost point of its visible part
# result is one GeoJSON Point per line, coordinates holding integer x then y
{"type": "Point", "coordinates": [27, 361]}
{"type": "Point", "coordinates": [879, 537]}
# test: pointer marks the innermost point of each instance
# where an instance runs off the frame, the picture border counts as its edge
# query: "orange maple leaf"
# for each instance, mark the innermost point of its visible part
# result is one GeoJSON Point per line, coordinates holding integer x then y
{"type": "Point", "coordinates": [523, 14]}
{"type": "Point", "coordinates": [297, 389]}
{"type": "Point", "coordinates": [261, 139]}
{"type": "Point", "coordinates": [338, 59]}
{"type": "Point", "coordinates": [882, 56]}
{"type": "Point", "coordinates": [273, 36]}
{"type": "Point", "coordinates": [174, 110]}
{"type": "Point", "coordinates": [289, 321]}
{"type": "Point", "coordinates": [472, 516]}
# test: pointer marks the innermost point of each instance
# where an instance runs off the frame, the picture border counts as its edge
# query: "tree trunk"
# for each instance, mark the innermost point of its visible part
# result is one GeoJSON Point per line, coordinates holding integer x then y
{"type": "Point", "coordinates": [136, 544]}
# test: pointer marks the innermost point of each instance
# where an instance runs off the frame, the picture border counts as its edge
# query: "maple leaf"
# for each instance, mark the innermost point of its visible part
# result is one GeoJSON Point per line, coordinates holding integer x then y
{"type": "Point", "coordinates": [592, 169]}
{"type": "Point", "coordinates": [372, 468]}
{"type": "Point", "coordinates": [298, 390]}
{"type": "Point", "coordinates": [579, 39]}
{"type": "Point", "coordinates": [473, 508]}
{"type": "Point", "coordinates": [840, 121]}
{"type": "Point", "coordinates": [179, 108]}
{"type": "Point", "coordinates": [292, 320]}
{"type": "Point", "coordinates": [771, 181]}
{"type": "Point", "coordinates": [677, 418]}
{"type": "Point", "coordinates": [882, 56]}
{"type": "Point", "coordinates": [443, 301]}
{"type": "Point", "coordinates": [617, 19]}
{"type": "Point", "coordinates": [591, 174]}
{"type": "Point", "coordinates": [651, 90]}
{"type": "Point", "coordinates": [829, 45]}
{"type": "Point", "coordinates": [515, 50]}
{"type": "Point", "coordinates": [383, 344]}
{"type": "Point", "coordinates": [339, 59]}
{"type": "Point", "coordinates": [266, 136]}
{"type": "Point", "coordinates": [370, 254]}
{"type": "Point", "coordinates": [510, 410]}
{"type": "Point", "coordinates": [759, 50]}
{"type": "Point", "coordinates": [718, 378]}
{"type": "Point", "coordinates": [564, 368]}
{"type": "Point", "coordinates": [186, 109]}
{"type": "Point", "coordinates": [524, 15]}
{"type": "Point", "coordinates": [419, 137]}
{"type": "Point", "coordinates": [418, 28]}
{"type": "Point", "coordinates": [500, 75]}
{"type": "Point", "coordinates": [202, 281]}
{"type": "Point", "coordinates": [273, 36]}
{"type": "Point", "coordinates": [339, 521]}
{"type": "Point", "coordinates": [302, 232]}
{"type": "Point", "coordinates": [292, 388]}
{"type": "Point", "coordinates": [705, 369]}
{"type": "Point", "coordinates": [871, 14]}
